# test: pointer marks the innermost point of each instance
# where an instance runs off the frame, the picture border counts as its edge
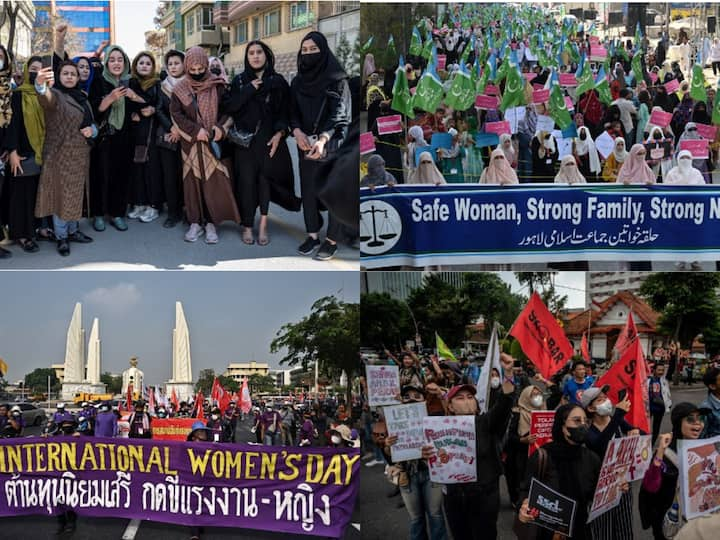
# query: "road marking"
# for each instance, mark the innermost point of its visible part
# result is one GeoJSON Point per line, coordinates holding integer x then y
{"type": "Point", "coordinates": [131, 530]}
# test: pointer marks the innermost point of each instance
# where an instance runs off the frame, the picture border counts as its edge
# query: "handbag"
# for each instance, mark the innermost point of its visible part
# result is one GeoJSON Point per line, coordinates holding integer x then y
{"type": "Point", "coordinates": [162, 142]}
{"type": "Point", "coordinates": [331, 146]}
{"type": "Point", "coordinates": [215, 148]}
{"type": "Point", "coordinates": [142, 151]}
{"type": "Point", "coordinates": [242, 138]}
{"type": "Point", "coordinates": [30, 167]}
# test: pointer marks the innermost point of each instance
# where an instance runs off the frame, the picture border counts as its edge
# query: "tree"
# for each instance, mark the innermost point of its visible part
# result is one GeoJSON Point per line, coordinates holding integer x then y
{"type": "Point", "coordinates": [156, 41]}
{"type": "Point", "coordinates": [10, 13]}
{"type": "Point", "coordinates": [37, 380]}
{"type": "Point", "coordinates": [160, 12]}
{"type": "Point", "coordinates": [261, 383]}
{"type": "Point", "coordinates": [205, 381]}
{"type": "Point", "coordinates": [384, 321]}
{"type": "Point", "coordinates": [329, 335]}
{"type": "Point", "coordinates": [492, 298]}
{"type": "Point", "coordinates": [344, 55]}
{"type": "Point", "coordinates": [113, 384]}
{"type": "Point", "coordinates": [228, 384]}
{"type": "Point", "coordinates": [544, 284]}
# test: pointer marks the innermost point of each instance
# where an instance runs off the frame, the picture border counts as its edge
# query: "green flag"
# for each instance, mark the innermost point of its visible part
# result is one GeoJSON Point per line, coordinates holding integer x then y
{"type": "Point", "coordinates": [415, 43]}
{"type": "Point", "coordinates": [442, 349]}
{"type": "Point", "coordinates": [585, 80]}
{"type": "Point", "coordinates": [365, 48]}
{"type": "Point", "coordinates": [636, 65]}
{"type": "Point", "coordinates": [429, 91]}
{"type": "Point", "coordinates": [514, 90]}
{"type": "Point", "coordinates": [558, 108]}
{"type": "Point", "coordinates": [461, 94]}
{"type": "Point", "coordinates": [391, 51]}
{"type": "Point", "coordinates": [427, 51]}
{"type": "Point", "coordinates": [502, 71]}
{"type": "Point", "coordinates": [402, 99]}
{"type": "Point", "coordinates": [603, 87]}
{"type": "Point", "coordinates": [716, 107]}
{"type": "Point", "coordinates": [697, 86]}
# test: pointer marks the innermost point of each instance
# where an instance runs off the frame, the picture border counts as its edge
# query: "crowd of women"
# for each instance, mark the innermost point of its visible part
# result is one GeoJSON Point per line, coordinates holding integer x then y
{"type": "Point", "coordinates": [117, 140]}
{"type": "Point", "coordinates": [639, 153]}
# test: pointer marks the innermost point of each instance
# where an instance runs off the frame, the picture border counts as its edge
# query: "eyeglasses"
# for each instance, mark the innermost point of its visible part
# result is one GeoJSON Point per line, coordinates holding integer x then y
{"type": "Point", "coordinates": [695, 419]}
{"type": "Point", "coordinates": [577, 421]}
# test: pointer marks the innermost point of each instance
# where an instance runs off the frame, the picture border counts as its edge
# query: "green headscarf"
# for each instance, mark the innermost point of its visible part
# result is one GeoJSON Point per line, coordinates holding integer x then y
{"type": "Point", "coordinates": [117, 109]}
{"type": "Point", "coordinates": [33, 115]}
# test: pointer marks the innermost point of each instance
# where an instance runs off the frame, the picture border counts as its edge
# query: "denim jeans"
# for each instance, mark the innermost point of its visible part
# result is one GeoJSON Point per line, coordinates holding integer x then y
{"type": "Point", "coordinates": [63, 228]}
{"type": "Point", "coordinates": [423, 498]}
{"type": "Point", "coordinates": [271, 438]}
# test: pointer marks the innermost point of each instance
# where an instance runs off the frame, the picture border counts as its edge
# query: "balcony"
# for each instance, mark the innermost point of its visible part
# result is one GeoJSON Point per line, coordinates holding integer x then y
{"type": "Point", "coordinates": [206, 38]}
{"type": "Point", "coordinates": [221, 11]}
{"type": "Point", "coordinates": [239, 10]}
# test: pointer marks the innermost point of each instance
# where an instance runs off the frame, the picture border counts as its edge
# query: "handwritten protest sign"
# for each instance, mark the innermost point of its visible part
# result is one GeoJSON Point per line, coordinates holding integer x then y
{"type": "Point", "coordinates": [515, 115]}
{"type": "Point", "coordinates": [306, 491]}
{"type": "Point", "coordinates": [406, 421]}
{"type": "Point", "coordinates": [545, 123]}
{"type": "Point", "coordinates": [486, 102]}
{"type": "Point", "coordinates": [171, 429]}
{"type": "Point", "coordinates": [567, 79]}
{"type": "Point", "coordinates": [672, 86]}
{"type": "Point", "coordinates": [604, 144]}
{"type": "Point", "coordinates": [626, 459]}
{"type": "Point", "coordinates": [498, 127]}
{"type": "Point", "coordinates": [706, 132]}
{"type": "Point", "coordinates": [697, 147]}
{"type": "Point", "coordinates": [541, 96]}
{"type": "Point", "coordinates": [660, 118]}
{"type": "Point", "coordinates": [367, 143]}
{"type": "Point", "coordinates": [541, 423]}
{"type": "Point", "coordinates": [383, 384]}
{"type": "Point", "coordinates": [699, 478]}
{"type": "Point", "coordinates": [454, 440]}
{"type": "Point", "coordinates": [389, 124]}
{"type": "Point", "coordinates": [555, 511]}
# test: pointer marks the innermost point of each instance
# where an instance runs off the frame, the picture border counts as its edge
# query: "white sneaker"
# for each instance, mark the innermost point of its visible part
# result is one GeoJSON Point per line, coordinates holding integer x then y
{"type": "Point", "coordinates": [211, 236]}
{"type": "Point", "coordinates": [136, 212]}
{"type": "Point", "coordinates": [194, 232]}
{"type": "Point", "coordinates": [373, 463]}
{"type": "Point", "coordinates": [149, 215]}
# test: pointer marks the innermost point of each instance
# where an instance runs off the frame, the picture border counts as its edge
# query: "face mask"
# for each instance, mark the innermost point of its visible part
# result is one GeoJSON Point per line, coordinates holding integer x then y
{"type": "Point", "coordinates": [214, 417]}
{"type": "Point", "coordinates": [335, 439]}
{"type": "Point", "coordinates": [657, 136]}
{"type": "Point", "coordinates": [578, 434]}
{"type": "Point", "coordinates": [536, 401]}
{"type": "Point", "coordinates": [162, 414]}
{"type": "Point", "coordinates": [684, 164]}
{"type": "Point", "coordinates": [215, 71]}
{"type": "Point", "coordinates": [309, 61]}
{"type": "Point", "coordinates": [605, 408]}
{"type": "Point", "coordinates": [68, 429]}
{"type": "Point", "coordinates": [495, 382]}
{"type": "Point", "coordinates": [197, 76]}
{"type": "Point", "coordinates": [583, 136]}
{"type": "Point", "coordinates": [33, 77]}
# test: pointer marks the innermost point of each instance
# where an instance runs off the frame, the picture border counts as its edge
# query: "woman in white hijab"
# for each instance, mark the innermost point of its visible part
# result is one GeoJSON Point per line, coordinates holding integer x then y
{"type": "Point", "coordinates": [427, 172]}
{"type": "Point", "coordinates": [586, 154]}
{"type": "Point", "coordinates": [506, 144]}
{"type": "Point", "coordinates": [614, 161]}
{"type": "Point", "coordinates": [701, 164]}
{"type": "Point", "coordinates": [569, 173]}
{"type": "Point", "coordinates": [498, 170]}
{"type": "Point", "coordinates": [635, 169]}
{"type": "Point", "coordinates": [416, 139]}
{"type": "Point", "coordinates": [660, 161]}
{"type": "Point", "coordinates": [684, 174]}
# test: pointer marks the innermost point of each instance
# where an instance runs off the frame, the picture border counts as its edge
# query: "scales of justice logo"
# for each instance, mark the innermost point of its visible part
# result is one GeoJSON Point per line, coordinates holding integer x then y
{"type": "Point", "coordinates": [380, 227]}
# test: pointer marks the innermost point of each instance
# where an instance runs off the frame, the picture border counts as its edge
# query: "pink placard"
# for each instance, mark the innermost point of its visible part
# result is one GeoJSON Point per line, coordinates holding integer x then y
{"type": "Point", "coordinates": [389, 124]}
{"type": "Point", "coordinates": [660, 118]}
{"type": "Point", "coordinates": [492, 90]}
{"type": "Point", "coordinates": [672, 86]}
{"type": "Point", "coordinates": [594, 40]}
{"type": "Point", "coordinates": [653, 77]}
{"type": "Point", "coordinates": [529, 76]}
{"type": "Point", "coordinates": [367, 143]}
{"type": "Point", "coordinates": [697, 147]}
{"type": "Point", "coordinates": [569, 103]}
{"type": "Point", "coordinates": [498, 127]}
{"type": "Point", "coordinates": [486, 102]}
{"type": "Point", "coordinates": [598, 52]}
{"type": "Point", "coordinates": [567, 79]}
{"type": "Point", "coordinates": [538, 86]}
{"type": "Point", "coordinates": [441, 61]}
{"type": "Point", "coordinates": [706, 132]}
{"type": "Point", "coordinates": [541, 96]}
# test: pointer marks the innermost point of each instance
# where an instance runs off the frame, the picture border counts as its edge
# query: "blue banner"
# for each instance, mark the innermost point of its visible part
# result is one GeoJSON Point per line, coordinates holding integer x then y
{"type": "Point", "coordinates": [417, 225]}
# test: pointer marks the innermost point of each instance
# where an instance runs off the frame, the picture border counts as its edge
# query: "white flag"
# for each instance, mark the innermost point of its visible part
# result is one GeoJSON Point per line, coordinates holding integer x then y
{"type": "Point", "coordinates": [492, 360]}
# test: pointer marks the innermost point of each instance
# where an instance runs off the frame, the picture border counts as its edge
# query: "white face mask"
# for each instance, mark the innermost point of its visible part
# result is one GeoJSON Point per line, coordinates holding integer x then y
{"type": "Point", "coordinates": [605, 408]}
{"type": "Point", "coordinates": [335, 439]}
{"type": "Point", "coordinates": [495, 382]}
{"type": "Point", "coordinates": [536, 401]}
{"type": "Point", "coordinates": [685, 164]}
{"type": "Point", "coordinates": [214, 416]}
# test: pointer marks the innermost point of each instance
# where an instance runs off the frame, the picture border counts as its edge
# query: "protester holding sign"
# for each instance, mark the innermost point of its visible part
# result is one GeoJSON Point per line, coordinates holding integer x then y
{"type": "Point", "coordinates": [544, 155]}
{"type": "Point", "coordinates": [701, 164]}
{"type": "Point", "coordinates": [660, 489]}
{"type": "Point", "coordinates": [571, 469]}
{"type": "Point", "coordinates": [711, 379]}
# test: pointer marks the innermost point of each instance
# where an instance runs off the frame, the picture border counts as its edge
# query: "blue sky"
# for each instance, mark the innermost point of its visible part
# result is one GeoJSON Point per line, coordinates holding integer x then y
{"type": "Point", "coordinates": [232, 316]}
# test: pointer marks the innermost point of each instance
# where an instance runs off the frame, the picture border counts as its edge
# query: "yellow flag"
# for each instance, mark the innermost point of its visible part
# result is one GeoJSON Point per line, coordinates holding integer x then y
{"type": "Point", "coordinates": [3, 367]}
{"type": "Point", "coordinates": [442, 349]}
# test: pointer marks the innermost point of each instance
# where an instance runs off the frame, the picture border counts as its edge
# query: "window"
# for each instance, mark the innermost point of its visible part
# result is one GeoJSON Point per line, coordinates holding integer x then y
{"type": "Point", "coordinates": [300, 15]}
{"type": "Point", "coordinates": [241, 32]}
{"type": "Point", "coordinates": [256, 27]}
{"type": "Point", "coordinates": [349, 5]}
{"type": "Point", "coordinates": [272, 23]}
{"type": "Point", "coordinates": [190, 24]}
{"type": "Point", "coordinates": [207, 18]}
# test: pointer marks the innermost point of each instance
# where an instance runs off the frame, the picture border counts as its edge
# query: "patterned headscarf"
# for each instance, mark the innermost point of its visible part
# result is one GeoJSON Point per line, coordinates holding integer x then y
{"type": "Point", "coordinates": [5, 90]}
{"type": "Point", "coordinates": [205, 90]}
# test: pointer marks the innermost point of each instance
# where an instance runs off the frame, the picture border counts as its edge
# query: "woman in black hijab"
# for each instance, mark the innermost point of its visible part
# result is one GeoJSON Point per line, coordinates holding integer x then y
{"type": "Point", "coordinates": [700, 114]}
{"type": "Point", "coordinates": [320, 115]}
{"type": "Point", "coordinates": [662, 99]}
{"type": "Point", "coordinates": [258, 101]}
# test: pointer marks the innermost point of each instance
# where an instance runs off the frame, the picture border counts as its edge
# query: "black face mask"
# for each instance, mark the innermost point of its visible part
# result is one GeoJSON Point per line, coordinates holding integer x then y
{"type": "Point", "coordinates": [197, 76]}
{"type": "Point", "coordinates": [657, 136]}
{"type": "Point", "coordinates": [215, 71]}
{"type": "Point", "coordinates": [67, 430]}
{"type": "Point", "coordinates": [33, 77]}
{"type": "Point", "coordinates": [583, 135]}
{"type": "Point", "coordinates": [309, 61]}
{"type": "Point", "coordinates": [578, 434]}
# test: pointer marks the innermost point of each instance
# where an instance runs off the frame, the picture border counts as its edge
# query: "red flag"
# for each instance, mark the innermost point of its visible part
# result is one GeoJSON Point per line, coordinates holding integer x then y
{"type": "Point", "coordinates": [627, 336]}
{"type": "Point", "coordinates": [199, 412]}
{"type": "Point", "coordinates": [541, 338]}
{"type": "Point", "coordinates": [220, 395]}
{"type": "Point", "coordinates": [584, 348]}
{"type": "Point", "coordinates": [129, 399]}
{"type": "Point", "coordinates": [245, 400]}
{"type": "Point", "coordinates": [630, 373]}
{"type": "Point", "coordinates": [174, 400]}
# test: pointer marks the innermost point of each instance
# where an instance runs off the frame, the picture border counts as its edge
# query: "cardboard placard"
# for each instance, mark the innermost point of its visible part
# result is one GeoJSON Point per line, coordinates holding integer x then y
{"type": "Point", "coordinates": [529, 76]}
{"type": "Point", "coordinates": [406, 421]}
{"type": "Point", "coordinates": [598, 53]}
{"type": "Point", "coordinates": [422, 149]}
{"type": "Point", "coordinates": [655, 151]}
{"type": "Point", "coordinates": [567, 79]}
{"type": "Point", "coordinates": [569, 103]}
{"type": "Point", "coordinates": [556, 511]}
{"type": "Point", "coordinates": [498, 127]}
{"type": "Point", "coordinates": [487, 102]}
{"type": "Point", "coordinates": [672, 86]}
{"type": "Point", "coordinates": [367, 143]}
{"type": "Point", "coordinates": [454, 440]}
{"type": "Point", "coordinates": [441, 61]}
{"type": "Point", "coordinates": [544, 123]}
{"type": "Point", "coordinates": [541, 423]}
{"type": "Point", "coordinates": [699, 479]}
{"type": "Point", "coordinates": [383, 383]}
{"type": "Point", "coordinates": [697, 147]}
{"type": "Point", "coordinates": [389, 124]}
{"type": "Point", "coordinates": [541, 96]}
{"type": "Point", "coordinates": [660, 118]}
{"type": "Point", "coordinates": [483, 139]}
{"type": "Point", "coordinates": [538, 86]}
{"type": "Point", "coordinates": [515, 115]}
{"type": "Point", "coordinates": [604, 144]}
{"type": "Point", "coordinates": [706, 132]}
{"type": "Point", "coordinates": [492, 90]}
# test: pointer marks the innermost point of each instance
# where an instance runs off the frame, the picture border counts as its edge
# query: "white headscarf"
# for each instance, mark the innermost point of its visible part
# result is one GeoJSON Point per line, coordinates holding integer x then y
{"type": "Point", "coordinates": [620, 156]}
{"type": "Point", "coordinates": [684, 173]}
{"type": "Point", "coordinates": [587, 147]}
{"type": "Point", "coordinates": [416, 132]}
{"type": "Point", "coordinates": [509, 152]}
{"type": "Point", "coordinates": [569, 173]}
{"type": "Point", "coordinates": [498, 170]}
{"type": "Point", "coordinates": [427, 172]}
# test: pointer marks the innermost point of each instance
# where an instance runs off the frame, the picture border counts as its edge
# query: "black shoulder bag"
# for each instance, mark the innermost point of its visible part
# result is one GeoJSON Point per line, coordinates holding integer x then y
{"type": "Point", "coordinates": [242, 138]}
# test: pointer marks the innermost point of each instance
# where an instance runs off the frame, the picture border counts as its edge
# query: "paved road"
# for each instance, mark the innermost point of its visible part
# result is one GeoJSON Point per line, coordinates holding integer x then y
{"type": "Point", "coordinates": [43, 528]}
{"type": "Point", "coordinates": [148, 246]}
{"type": "Point", "coordinates": [384, 518]}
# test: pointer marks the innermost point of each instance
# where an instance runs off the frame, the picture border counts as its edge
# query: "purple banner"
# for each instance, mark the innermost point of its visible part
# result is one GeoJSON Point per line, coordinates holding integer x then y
{"type": "Point", "coordinates": [286, 489]}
